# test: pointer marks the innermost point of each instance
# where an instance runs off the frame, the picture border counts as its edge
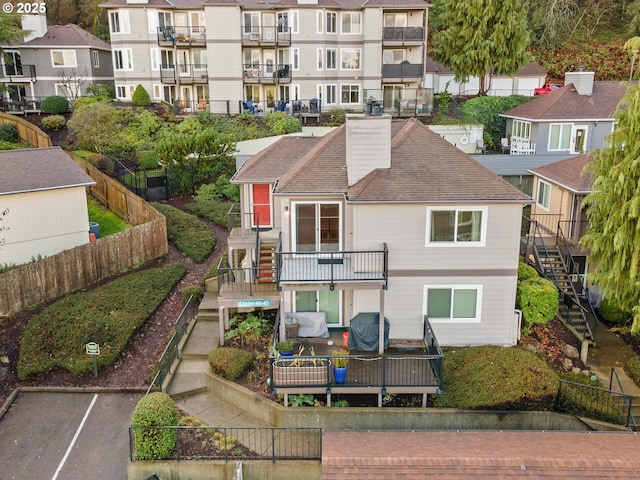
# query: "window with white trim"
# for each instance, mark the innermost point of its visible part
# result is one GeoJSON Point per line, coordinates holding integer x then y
{"type": "Point", "coordinates": [350, 93]}
{"type": "Point", "coordinates": [351, 22]}
{"type": "Point", "coordinates": [452, 303]}
{"type": "Point", "coordinates": [12, 62]}
{"type": "Point", "coordinates": [296, 58]}
{"type": "Point", "coordinates": [393, 56]}
{"type": "Point", "coordinates": [119, 21]}
{"type": "Point", "coordinates": [319, 24]}
{"type": "Point", "coordinates": [251, 22]}
{"type": "Point", "coordinates": [332, 22]}
{"type": "Point", "coordinates": [122, 59]}
{"type": "Point", "coordinates": [294, 21]}
{"type": "Point", "coordinates": [350, 58]}
{"type": "Point", "coordinates": [164, 19]}
{"type": "Point", "coordinates": [395, 20]}
{"type": "Point", "coordinates": [320, 56]}
{"type": "Point", "coordinates": [166, 59]}
{"type": "Point", "coordinates": [64, 58]}
{"type": "Point", "coordinates": [63, 91]}
{"type": "Point", "coordinates": [332, 59]}
{"type": "Point", "coordinates": [543, 198]}
{"type": "Point", "coordinates": [331, 94]}
{"type": "Point", "coordinates": [157, 91]}
{"type": "Point", "coordinates": [560, 136]}
{"type": "Point", "coordinates": [521, 129]}
{"type": "Point", "coordinates": [456, 226]}
{"type": "Point", "coordinates": [125, 92]}
{"type": "Point", "coordinates": [200, 59]}
{"type": "Point", "coordinates": [96, 59]}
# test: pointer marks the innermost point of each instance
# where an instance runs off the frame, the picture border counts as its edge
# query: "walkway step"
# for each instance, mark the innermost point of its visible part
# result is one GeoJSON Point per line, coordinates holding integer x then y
{"type": "Point", "coordinates": [204, 337]}
{"type": "Point", "coordinates": [189, 378]}
{"type": "Point", "coordinates": [216, 412]}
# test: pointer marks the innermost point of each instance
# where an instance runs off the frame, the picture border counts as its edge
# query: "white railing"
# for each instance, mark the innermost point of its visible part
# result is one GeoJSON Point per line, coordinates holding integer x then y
{"type": "Point", "coordinates": [522, 146]}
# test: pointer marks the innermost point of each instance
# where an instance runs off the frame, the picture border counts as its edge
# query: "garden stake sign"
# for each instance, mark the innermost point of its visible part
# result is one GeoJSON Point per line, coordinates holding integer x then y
{"type": "Point", "coordinates": [93, 349]}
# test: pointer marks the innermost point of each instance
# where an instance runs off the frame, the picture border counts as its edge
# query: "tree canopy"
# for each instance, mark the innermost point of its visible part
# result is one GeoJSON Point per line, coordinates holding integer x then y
{"type": "Point", "coordinates": [10, 29]}
{"type": "Point", "coordinates": [481, 37]}
{"type": "Point", "coordinates": [613, 209]}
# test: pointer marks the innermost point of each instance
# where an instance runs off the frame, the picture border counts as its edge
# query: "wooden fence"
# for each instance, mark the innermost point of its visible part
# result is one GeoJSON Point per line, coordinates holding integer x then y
{"type": "Point", "coordinates": [81, 266]}
{"type": "Point", "coordinates": [27, 132]}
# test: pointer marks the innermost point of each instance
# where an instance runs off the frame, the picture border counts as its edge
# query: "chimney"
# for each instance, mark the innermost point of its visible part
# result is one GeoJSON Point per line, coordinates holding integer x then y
{"type": "Point", "coordinates": [36, 24]}
{"type": "Point", "coordinates": [583, 81]}
{"type": "Point", "coordinates": [368, 145]}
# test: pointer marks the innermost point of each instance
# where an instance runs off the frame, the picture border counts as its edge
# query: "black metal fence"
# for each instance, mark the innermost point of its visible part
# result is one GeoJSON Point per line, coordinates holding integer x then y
{"type": "Point", "coordinates": [593, 402]}
{"type": "Point", "coordinates": [230, 443]}
{"type": "Point", "coordinates": [152, 185]}
{"type": "Point", "coordinates": [170, 353]}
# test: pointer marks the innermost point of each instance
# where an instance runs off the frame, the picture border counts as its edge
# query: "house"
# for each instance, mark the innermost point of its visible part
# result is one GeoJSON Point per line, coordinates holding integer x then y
{"type": "Point", "coordinates": [574, 119]}
{"type": "Point", "coordinates": [250, 54]}
{"type": "Point", "coordinates": [43, 192]}
{"type": "Point", "coordinates": [441, 78]}
{"type": "Point", "coordinates": [367, 218]}
{"type": "Point", "coordinates": [53, 60]}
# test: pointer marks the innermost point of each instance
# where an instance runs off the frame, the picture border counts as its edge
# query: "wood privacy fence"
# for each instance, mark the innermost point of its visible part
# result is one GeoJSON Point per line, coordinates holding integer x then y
{"type": "Point", "coordinates": [76, 268]}
{"type": "Point", "coordinates": [27, 132]}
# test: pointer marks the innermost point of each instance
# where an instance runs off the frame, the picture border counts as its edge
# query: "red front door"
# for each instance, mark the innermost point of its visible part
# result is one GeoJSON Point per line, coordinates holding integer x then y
{"type": "Point", "coordinates": [261, 198]}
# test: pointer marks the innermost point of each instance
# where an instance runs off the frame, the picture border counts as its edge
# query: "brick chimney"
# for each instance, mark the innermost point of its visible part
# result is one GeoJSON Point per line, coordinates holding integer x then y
{"type": "Point", "coordinates": [368, 145]}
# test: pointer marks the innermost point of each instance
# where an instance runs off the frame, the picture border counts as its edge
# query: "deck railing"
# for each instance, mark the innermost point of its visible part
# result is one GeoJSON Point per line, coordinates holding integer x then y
{"type": "Point", "coordinates": [396, 35]}
{"type": "Point", "coordinates": [242, 279]}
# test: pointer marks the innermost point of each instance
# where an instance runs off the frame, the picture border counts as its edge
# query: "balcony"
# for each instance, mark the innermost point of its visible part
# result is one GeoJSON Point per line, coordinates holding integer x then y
{"type": "Point", "coordinates": [182, 36]}
{"type": "Point", "coordinates": [403, 35]}
{"type": "Point", "coordinates": [266, 36]}
{"type": "Point", "coordinates": [267, 73]}
{"type": "Point", "coordinates": [17, 73]}
{"type": "Point", "coordinates": [402, 72]}
{"type": "Point", "coordinates": [184, 74]}
{"type": "Point", "coordinates": [21, 106]}
{"type": "Point", "coordinates": [417, 369]}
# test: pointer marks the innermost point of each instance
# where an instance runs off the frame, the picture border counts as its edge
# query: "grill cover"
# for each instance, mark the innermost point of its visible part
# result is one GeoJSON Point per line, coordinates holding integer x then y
{"type": "Point", "coordinates": [364, 332]}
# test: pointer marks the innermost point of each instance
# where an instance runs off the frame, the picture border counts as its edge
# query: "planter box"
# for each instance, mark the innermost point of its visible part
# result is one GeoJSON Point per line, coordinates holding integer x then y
{"type": "Point", "coordinates": [285, 374]}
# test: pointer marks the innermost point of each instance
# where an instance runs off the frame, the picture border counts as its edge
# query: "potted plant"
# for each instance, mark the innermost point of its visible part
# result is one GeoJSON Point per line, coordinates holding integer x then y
{"type": "Point", "coordinates": [300, 370]}
{"type": "Point", "coordinates": [340, 361]}
{"type": "Point", "coordinates": [284, 348]}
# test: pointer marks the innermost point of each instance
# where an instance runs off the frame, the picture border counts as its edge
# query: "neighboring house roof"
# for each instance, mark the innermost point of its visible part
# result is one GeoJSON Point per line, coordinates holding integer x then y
{"type": "Point", "coordinates": [424, 168]}
{"type": "Point", "coordinates": [569, 173]}
{"type": "Point", "coordinates": [567, 104]}
{"type": "Point", "coordinates": [479, 455]}
{"type": "Point", "coordinates": [38, 169]}
{"type": "Point", "coordinates": [502, 164]}
{"type": "Point", "coordinates": [262, 5]}
{"type": "Point", "coordinates": [70, 36]}
{"type": "Point", "coordinates": [530, 69]}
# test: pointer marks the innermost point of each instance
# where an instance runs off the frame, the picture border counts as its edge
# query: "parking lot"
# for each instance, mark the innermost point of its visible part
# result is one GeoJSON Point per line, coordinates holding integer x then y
{"type": "Point", "coordinates": [60, 436]}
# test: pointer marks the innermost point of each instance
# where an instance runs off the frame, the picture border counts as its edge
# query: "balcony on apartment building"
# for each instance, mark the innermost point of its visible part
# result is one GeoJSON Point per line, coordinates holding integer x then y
{"type": "Point", "coordinates": [267, 73]}
{"type": "Point", "coordinates": [182, 36]}
{"type": "Point", "coordinates": [18, 72]}
{"type": "Point", "coordinates": [403, 35]}
{"type": "Point", "coordinates": [402, 72]}
{"type": "Point", "coordinates": [266, 36]}
{"type": "Point", "coordinates": [184, 74]}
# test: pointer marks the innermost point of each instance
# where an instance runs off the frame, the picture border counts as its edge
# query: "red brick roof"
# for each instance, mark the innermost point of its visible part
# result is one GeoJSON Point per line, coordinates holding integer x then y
{"type": "Point", "coordinates": [569, 173]}
{"type": "Point", "coordinates": [479, 455]}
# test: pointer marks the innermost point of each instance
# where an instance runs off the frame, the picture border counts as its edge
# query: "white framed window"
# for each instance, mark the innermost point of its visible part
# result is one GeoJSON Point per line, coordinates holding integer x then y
{"type": "Point", "coordinates": [543, 198]}
{"type": "Point", "coordinates": [166, 59]}
{"type": "Point", "coordinates": [521, 129]}
{"type": "Point", "coordinates": [251, 22]}
{"type": "Point", "coordinates": [395, 20]}
{"type": "Point", "coordinates": [200, 59]}
{"type": "Point", "coordinates": [452, 303]}
{"type": "Point", "coordinates": [125, 92]}
{"type": "Point", "coordinates": [316, 226]}
{"type": "Point", "coordinates": [119, 21]}
{"type": "Point", "coordinates": [463, 226]}
{"type": "Point", "coordinates": [295, 52]}
{"type": "Point", "coordinates": [164, 19]}
{"type": "Point", "coordinates": [332, 59]}
{"type": "Point", "coordinates": [320, 57]}
{"type": "Point", "coordinates": [12, 62]}
{"type": "Point", "coordinates": [350, 58]}
{"type": "Point", "coordinates": [64, 58]}
{"type": "Point", "coordinates": [63, 91]}
{"type": "Point", "coordinates": [319, 21]}
{"type": "Point", "coordinates": [96, 58]}
{"type": "Point", "coordinates": [560, 136]}
{"type": "Point", "coordinates": [393, 56]}
{"type": "Point", "coordinates": [332, 22]}
{"type": "Point", "coordinates": [294, 21]}
{"type": "Point", "coordinates": [157, 91]}
{"type": "Point", "coordinates": [154, 56]}
{"type": "Point", "coordinates": [122, 59]}
{"type": "Point", "coordinates": [349, 93]}
{"type": "Point", "coordinates": [350, 23]}
{"type": "Point", "coordinates": [331, 94]}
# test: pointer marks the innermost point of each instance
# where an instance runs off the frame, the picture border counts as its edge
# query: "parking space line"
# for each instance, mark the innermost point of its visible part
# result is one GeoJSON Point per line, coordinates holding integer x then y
{"type": "Point", "coordinates": [75, 437]}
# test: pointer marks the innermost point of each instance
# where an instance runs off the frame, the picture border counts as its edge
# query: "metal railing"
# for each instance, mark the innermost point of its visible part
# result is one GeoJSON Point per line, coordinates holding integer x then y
{"type": "Point", "coordinates": [402, 70]}
{"type": "Point", "coordinates": [593, 402]}
{"type": "Point", "coordinates": [171, 352]}
{"type": "Point", "coordinates": [331, 267]}
{"type": "Point", "coordinates": [631, 421]}
{"type": "Point", "coordinates": [182, 36]}
{"type": "Point", "coordinates": [266, 35]}
{"type": "Point", "coordinates": [242, 280]}
{"type": "Point", "coordinates": [18, 72]}
{"type": "Point", "coordinates": [433, 348]}
{"type": "Point", "coordinates": [266, 72]}
{"type": "Point", "coordinates": [230, 443]}
{"type": "Point", "coordinates": [185, 73]}
{"type": "Point", "coordinates": [23, 105]}
{"type": "Point", "coordinates": [397, 35]}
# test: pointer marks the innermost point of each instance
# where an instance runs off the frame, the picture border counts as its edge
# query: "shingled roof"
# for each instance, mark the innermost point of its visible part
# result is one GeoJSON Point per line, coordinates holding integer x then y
{"type": "Point", "coordinates": [71, 36]}
{"type": "Point", "coordinates": [567, 104]}
{"type": "Point", "coordinates": [38, 169]}
{"type": "Point", "coordinates": [569, 173]}
{"type": "Point", "coordinates": [424, 168]}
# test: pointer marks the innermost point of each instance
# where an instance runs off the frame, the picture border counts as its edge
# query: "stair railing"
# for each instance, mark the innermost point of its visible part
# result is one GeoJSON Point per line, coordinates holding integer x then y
{"type": "Point", "coordinates": [256, 253]}
{"type": "Point", "coordinates": [539, 245]}
{"type": "Point", "coordinates": [631, 420]}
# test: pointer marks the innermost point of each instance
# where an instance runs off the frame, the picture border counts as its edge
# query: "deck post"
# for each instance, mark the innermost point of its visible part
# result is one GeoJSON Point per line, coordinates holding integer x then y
{"type": "Point", "coordinates": [381, 323]}
{"type": "Point", "coordinates": [221, 323]}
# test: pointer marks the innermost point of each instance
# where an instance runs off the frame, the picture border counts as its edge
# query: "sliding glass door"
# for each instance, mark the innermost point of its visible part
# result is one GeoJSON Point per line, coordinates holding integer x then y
{"type": "Point", "coordinates": [317, 227]}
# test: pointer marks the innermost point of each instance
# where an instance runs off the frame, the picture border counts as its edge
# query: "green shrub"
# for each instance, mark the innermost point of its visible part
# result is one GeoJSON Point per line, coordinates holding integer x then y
{"type": "Point", "coordinates": [141, 97]}
{"type": "Point", "coordinates": [102, 163]}
{"type": "Point", "coordinates": [8, 132]}
{"type": "Point", "coordinates": [55, 105]}
{"type": "Point", "coordinates": [108, 315]}
{"type": "Point", "coordinates": [280, 123]}
{"type": "Point", "coordinates": [249, 328]}
{"type": "Point", "coordinates": [610, 312]}
{"type": "Point", "coordinates": [155, 410]}
{"type": "Point", "coordinates": [229, 363]}
{"type": "Point", "coordinates": [526, 271]}
{"type": "Point", "coordinates": [191, 290]}
{"type": "Point", "coordinates": [633, 369]}
{"type": "Point", "coordinates": [537, 298]}
{"type": "Point", "coordinates": [148, 160]}
{"type": "Point", "coordinates": [190, 235]}
{"type": "Point", "coordinates": [497, 378]}
{"type": "Point", "coordinates": [53, 122]}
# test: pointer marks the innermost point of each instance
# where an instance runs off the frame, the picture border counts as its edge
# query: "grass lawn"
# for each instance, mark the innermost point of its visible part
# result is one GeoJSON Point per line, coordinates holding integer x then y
{"type": "Point", "coordinates": [109, 222]}
{"type": "Point", "coordinates": [12, 145]}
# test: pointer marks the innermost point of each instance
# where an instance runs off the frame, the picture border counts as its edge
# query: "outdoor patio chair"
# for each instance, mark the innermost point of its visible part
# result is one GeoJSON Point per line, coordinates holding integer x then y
{"type": "Point", "coordinates": [504, 145]}
{"type": "Point", "coordinates": [480, 148]}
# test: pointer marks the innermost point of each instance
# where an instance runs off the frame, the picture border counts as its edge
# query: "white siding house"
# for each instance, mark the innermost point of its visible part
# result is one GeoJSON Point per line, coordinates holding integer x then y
{"type": "Point", "coordinates": [43, 195]}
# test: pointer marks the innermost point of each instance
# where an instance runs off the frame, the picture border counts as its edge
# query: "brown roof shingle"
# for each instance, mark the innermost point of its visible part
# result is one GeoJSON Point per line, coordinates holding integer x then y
{"type": "Point", "coordinates": [569, 173]}
{"type": "Point", "coordinates": [36, 169]}
{"type": "Point", "coordinates": [67, 36]}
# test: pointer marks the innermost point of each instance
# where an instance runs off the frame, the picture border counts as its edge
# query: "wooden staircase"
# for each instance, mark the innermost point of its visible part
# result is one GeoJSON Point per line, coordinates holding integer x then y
{"type": "Point", "coordinates": [266, 263]}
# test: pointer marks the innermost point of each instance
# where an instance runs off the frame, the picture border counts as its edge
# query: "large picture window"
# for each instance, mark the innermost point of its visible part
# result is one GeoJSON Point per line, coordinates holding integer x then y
{"type": "Point", "coordinates": [350, 93]}
{"type": "Point", "coordinates": [64, 58]}
{"type": "Point", "coordinates": [560, 136]}
{"type": "Point", "coordinates": [351, 22]}
{"type": "Point", "coordinates": [350, 59]}
{"type": "Point", "coordinates": [452, 303]}
{"type": "Point", "coordinates": [463, 226]}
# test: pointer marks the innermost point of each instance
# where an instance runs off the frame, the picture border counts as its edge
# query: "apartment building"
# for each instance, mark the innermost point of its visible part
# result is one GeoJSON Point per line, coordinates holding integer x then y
{"type": "Point", "coordinates": [222, 55]}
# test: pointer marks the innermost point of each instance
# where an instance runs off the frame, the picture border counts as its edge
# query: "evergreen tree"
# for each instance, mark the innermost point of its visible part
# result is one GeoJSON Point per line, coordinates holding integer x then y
{"type": "Point", "coordinates": [10, 29]}
{"type": "Point", "coordinates": [613, 209]}
{"type": "Point", "coordinates": [481, 37]}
